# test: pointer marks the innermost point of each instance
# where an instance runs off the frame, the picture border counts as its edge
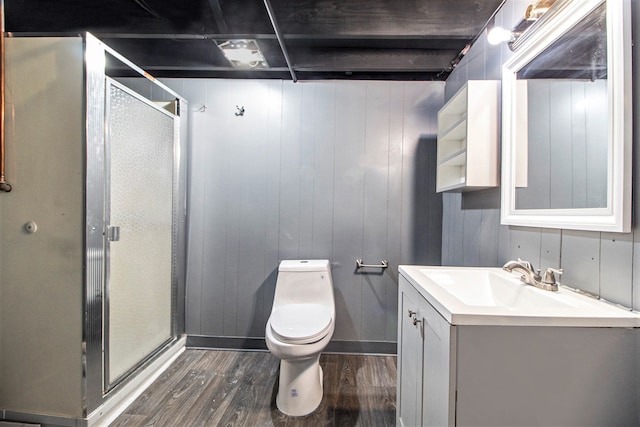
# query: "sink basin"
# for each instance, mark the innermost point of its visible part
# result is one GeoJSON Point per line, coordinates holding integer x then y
{"type": "Point", "coordinates": [490, 289]}
{"type": "Point", "coordinates": [492, 296]}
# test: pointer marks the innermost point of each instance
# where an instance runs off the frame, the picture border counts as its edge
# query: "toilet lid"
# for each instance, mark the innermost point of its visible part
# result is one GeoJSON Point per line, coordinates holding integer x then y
{"type": "Point", "coordinates": [300, 323]}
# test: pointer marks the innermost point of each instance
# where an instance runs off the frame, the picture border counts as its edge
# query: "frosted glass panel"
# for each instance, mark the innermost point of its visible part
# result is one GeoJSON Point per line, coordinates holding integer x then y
{"type": "Point", "coordinates": [140, 140]}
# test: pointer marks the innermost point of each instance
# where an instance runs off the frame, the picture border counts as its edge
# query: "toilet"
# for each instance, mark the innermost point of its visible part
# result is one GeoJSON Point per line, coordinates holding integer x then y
{"type": "Point", "coordinates": [300, 326]}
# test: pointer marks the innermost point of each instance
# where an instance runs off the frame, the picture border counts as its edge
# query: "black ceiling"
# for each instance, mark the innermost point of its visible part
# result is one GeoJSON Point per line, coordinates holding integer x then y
{"type": "Point", "coordinates": [339, 39]}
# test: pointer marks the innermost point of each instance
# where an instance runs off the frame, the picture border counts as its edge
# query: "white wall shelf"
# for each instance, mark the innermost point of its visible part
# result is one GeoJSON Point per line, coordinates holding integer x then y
{"type": "Point", "coordinates": [468, 138]}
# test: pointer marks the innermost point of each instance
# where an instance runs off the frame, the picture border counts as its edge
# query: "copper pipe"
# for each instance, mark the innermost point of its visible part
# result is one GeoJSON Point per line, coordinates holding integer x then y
{"type": "Point", "coordinates": [4, 186]}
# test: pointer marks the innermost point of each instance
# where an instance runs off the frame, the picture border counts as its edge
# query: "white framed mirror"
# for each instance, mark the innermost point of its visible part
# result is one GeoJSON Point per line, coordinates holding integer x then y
{"type": "Point", "coordinates": [566, 120]}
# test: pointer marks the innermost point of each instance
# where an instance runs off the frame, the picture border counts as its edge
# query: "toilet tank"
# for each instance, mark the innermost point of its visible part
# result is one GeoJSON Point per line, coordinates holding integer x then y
{"type": "Point", "coordinates": [304, 265]}
{"type": "Point", "coordinates": [304, 281]}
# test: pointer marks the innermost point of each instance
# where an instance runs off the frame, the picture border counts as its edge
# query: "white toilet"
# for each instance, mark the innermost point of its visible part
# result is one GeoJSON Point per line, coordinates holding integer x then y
{"type": "Point", "coordinates": [300, 326]}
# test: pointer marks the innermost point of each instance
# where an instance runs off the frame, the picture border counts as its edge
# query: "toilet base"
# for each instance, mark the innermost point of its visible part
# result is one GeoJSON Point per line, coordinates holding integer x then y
{"type": "Point", "coordinates": [300, 389]}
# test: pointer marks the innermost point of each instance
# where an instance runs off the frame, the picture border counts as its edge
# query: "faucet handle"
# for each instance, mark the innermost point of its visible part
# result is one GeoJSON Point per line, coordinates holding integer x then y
{"type": "Point", "coordinates": [550, 275]}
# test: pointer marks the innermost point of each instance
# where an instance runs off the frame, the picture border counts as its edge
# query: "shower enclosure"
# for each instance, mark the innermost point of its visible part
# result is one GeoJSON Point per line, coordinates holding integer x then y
{"type": "Point", "coordinates": [90, 277]}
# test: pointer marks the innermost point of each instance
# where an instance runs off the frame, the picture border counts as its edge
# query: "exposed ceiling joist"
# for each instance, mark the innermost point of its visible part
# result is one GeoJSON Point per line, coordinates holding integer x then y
{"type": "Point", "coordinates": [378, 39]}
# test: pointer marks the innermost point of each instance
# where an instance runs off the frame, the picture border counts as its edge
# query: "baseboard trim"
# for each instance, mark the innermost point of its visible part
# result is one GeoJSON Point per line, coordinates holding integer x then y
{"type": "Point", "coordinates": [362, 347]}
{"type": "Point", "coordinates": [225, 343]}
{"type": "Point", "coordinates": [258, 344]}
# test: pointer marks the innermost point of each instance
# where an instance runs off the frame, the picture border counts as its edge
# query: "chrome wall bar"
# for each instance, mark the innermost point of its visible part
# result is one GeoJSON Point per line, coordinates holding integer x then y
{"type": "Point", "coordinates": [94, 223]}
{"type": "Point", "coordinates": [272, 17]}
{"type": "Point", "coordinates": [383, 264]}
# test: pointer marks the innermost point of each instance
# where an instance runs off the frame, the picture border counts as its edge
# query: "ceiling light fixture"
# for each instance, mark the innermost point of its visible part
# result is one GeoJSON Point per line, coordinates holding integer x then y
{"type": "Point", "coordinates": [243, 53]}
{"type": "Point", "coordinates": [536, 10]}
{"type": "Point", "coordinates": [497, 35]}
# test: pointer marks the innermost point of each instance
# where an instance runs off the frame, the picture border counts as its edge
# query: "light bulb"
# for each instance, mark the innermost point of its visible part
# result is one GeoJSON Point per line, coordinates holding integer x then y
{"type": "Point", "coordinates": [499, 35]}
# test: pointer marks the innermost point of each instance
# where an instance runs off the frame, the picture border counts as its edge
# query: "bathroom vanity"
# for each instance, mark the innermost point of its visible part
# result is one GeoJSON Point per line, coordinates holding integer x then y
{"type": "Point", "coordinates": [477, 347]}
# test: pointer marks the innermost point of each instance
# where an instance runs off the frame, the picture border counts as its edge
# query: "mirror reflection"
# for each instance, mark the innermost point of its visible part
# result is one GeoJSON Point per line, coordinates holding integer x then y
{"type": "Point", "coordinates": [561, 142]}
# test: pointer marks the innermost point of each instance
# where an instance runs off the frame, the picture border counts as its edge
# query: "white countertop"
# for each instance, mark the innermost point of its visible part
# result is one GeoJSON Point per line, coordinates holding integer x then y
{"type": "Point", "coordinates": [534, 307]}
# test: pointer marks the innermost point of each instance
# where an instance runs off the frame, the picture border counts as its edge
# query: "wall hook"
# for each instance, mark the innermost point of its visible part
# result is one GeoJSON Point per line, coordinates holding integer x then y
{"type": "Point", "coordinates": [240, 111]}
{"type": "Point", "coordinates": [202, 109]}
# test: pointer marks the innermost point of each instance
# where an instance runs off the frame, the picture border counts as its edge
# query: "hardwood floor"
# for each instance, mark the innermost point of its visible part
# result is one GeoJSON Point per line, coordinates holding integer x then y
{"type": "Point", "coordinates": [232, 388]}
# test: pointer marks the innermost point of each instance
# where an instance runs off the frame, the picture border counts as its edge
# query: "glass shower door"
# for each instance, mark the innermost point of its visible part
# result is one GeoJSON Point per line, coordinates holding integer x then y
{"type": "Point", "coordinates": [139, 217]}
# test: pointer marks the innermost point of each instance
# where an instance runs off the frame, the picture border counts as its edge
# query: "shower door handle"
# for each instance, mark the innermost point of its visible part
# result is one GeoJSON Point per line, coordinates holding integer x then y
{"type": "Point", "coordinates": [113, 233]}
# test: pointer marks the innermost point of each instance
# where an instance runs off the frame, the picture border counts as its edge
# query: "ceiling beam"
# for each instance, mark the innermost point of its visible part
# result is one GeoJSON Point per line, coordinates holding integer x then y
{"type": "Point", "coordinates": [214, 68]}
{"type": "Point", "coordinates": [417, 41]}
{"type": "Point", "coordinates": [378, 42]}
{"type": "Point", "coordinates": [272, 18]}
{"type": "Point", "coordinates": [180, 36]}
{"type": "Point", "coordinates": [282, 73]}
{"type": "Point", "coordinates": [408, 60]}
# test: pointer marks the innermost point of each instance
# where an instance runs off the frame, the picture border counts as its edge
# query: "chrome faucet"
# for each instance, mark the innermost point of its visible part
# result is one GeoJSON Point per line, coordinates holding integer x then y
{"type": "Point", "coordinates": [532, 277]}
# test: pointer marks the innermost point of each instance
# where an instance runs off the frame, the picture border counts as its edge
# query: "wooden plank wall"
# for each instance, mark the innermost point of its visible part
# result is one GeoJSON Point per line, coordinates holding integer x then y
{"type": "Point", "coordinates": [333, 169]}
{"type": "Point", "coordinates": [604, 264]}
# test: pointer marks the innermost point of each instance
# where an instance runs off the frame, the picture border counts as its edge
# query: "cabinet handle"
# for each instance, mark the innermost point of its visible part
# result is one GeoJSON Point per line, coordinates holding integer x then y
{"type": "Point", "coordinates": [415, 317]}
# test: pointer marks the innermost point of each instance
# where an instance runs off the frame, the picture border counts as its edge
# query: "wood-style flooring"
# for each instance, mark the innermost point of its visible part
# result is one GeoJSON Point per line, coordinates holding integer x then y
{"type": "Point", "coordinates": [232, 388]}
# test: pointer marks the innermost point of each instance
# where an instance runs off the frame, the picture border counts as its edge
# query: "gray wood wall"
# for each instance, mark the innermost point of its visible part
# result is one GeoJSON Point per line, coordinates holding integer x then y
{"type": "Point", "coordinates": [333, 169]}
{"type": "Point", "coordinates": [604, 264]}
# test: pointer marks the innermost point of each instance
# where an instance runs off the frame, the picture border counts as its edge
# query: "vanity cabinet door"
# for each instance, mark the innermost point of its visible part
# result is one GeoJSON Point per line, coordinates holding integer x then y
{"type": "Point", "coordinates": [409, 405]}
{"type": "Point", "coordinates": [438, 397]}
{"type": "Point", "coordinates": [425, 370]}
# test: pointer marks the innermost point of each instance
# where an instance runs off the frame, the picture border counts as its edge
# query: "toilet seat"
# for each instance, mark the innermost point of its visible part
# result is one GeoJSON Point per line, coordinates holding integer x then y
{"type": "Point", "coordinates": [300, 323]}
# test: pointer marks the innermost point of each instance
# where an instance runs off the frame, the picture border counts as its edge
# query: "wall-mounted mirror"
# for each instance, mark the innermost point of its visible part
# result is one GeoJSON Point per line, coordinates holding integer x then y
{"type": "Point", "coordinates": [566, 120]}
